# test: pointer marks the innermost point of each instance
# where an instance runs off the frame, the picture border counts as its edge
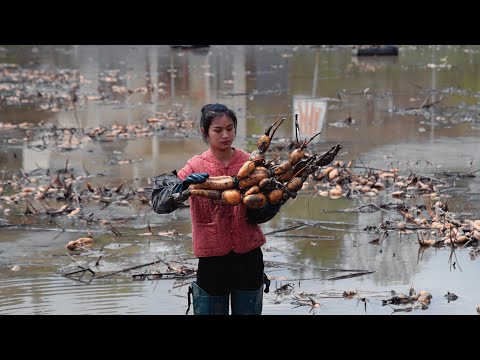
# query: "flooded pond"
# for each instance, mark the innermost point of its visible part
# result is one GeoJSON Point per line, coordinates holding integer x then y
{"type": "Point", "coordinates": [83, 129]}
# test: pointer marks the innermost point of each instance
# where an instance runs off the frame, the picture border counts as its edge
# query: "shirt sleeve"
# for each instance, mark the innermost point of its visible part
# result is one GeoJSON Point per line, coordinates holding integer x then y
{"type": "Point", "coordinates": [162, 200]}
{"type": "Point", "coordinates": [259, 216]}
{"type": "Point", "coordinates": [185, 171]}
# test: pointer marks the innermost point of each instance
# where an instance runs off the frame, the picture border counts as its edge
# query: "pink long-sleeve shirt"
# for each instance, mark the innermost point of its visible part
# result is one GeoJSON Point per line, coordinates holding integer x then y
{"type": "Point", "coordinates": [219, 228]}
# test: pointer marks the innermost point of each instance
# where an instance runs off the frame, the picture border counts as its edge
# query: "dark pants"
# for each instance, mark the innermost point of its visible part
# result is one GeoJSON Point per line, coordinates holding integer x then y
{"type": "Point", "coordinates": [219, 275]}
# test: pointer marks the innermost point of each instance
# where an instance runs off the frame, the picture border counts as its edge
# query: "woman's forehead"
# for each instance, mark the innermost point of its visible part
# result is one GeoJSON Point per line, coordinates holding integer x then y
{"type": "Point", "coordinates": [222, 121]}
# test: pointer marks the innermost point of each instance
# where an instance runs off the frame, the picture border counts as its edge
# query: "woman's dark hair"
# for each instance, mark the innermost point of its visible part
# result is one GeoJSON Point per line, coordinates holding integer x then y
{"type": "Point", "coordinates": [210, 112]}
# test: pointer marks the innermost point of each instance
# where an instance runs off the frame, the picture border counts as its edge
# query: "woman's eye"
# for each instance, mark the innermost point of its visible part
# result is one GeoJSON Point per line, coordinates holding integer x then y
{"type": "Point", "coordinates": [220, 130]}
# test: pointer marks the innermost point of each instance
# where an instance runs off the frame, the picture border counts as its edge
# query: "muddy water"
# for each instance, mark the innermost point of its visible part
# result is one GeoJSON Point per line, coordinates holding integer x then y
{"type": "Point", "coordinates": [382, 99]}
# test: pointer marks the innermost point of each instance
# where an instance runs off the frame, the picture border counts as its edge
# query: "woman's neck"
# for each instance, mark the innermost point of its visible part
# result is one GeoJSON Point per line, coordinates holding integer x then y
{"type": "Point", "coordinates": [224, 156]}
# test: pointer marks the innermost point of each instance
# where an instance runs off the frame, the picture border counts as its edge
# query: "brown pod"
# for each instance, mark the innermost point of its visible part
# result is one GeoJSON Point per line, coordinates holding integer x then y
{"type": "Point", "coordinates": [257, 157]}
{"type": "Point", "coordinates": [282, 168]}
{"type": "Point", "coordinates": [296, 156]}
{"type": "Point", "coordinates": [255, 177]}
{"type": "Point", "coordinates": [286, 176]}
{"type": "Point", "coordinates": [288, 195]}
{"type": "Point", "coordinates": [231, 197]}
{"type": "Point", "coordinates": [246, 169]}
{"type": "Point", "coordinates": [295, 184]}
{"type": "Point", "coordinates": [275, 196]}
{"type": "Point", "coordinates": [255, 201]}
{"type": "Point", "coordinates": [209, 194]}
{"type": "Point", "coordinates": [333, 174]}
{"type": "Point", "coordinates": [215, 183]}
{"type": "Point", "coordinates": [254, 189]}
{"type": "Point", "coordinates": [79, 243]}
{"type": "Point", "coordinates": [267, 183]}
{"type": "Point", "coordinates": [264, 141]}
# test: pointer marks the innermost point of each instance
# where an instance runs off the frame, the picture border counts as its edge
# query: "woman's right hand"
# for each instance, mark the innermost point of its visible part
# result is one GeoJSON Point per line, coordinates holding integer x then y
{"type": "Point", "coordinates": [194, 178]}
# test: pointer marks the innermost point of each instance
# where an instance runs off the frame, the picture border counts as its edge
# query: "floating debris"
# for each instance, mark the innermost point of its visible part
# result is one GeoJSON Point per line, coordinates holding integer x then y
{"type": "Point", "coordinates": [423, 297]}
{"type": "Point", "coordinates": [80, 243]}
{"type": "Point", "coordinates": [348, 294]}
{"type": "Point", "coordinates": [284, 289]}
{"type": "Point", "coordinates": [305, 302]}
{"type": "Point", "coordinates": [451, 296]}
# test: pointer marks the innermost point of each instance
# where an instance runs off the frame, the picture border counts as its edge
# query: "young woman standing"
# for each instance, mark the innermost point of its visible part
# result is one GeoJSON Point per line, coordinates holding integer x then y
{"type": "Point", "coordinates": [226, 239]}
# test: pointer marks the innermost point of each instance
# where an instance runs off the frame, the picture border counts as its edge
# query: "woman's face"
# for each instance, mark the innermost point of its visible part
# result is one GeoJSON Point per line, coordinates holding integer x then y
{"type": "Point", "coordinates": [221, 133]}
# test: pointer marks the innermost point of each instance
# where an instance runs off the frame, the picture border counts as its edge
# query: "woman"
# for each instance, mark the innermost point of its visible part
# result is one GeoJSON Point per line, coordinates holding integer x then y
{"type": "Point", "coordinates": [226, 239]}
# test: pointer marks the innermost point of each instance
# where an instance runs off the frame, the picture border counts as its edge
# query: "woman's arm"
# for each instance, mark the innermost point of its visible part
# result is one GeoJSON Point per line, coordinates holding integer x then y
{"type": "Point", "coordinates": [259, 216]}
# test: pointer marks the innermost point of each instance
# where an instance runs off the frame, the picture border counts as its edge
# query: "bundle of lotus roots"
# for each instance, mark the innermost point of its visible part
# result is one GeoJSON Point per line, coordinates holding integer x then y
{"type": "Point", "coordinates": [258, 181]}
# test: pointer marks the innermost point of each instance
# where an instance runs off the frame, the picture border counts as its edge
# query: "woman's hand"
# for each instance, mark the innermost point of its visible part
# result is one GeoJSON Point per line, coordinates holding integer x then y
{"type": "Point", "coordinates": [194, 178]}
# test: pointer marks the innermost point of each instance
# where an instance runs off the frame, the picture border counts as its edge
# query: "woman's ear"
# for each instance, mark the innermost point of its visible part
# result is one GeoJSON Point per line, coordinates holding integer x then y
{"type": "Point", "coordinates": [204, 133]}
